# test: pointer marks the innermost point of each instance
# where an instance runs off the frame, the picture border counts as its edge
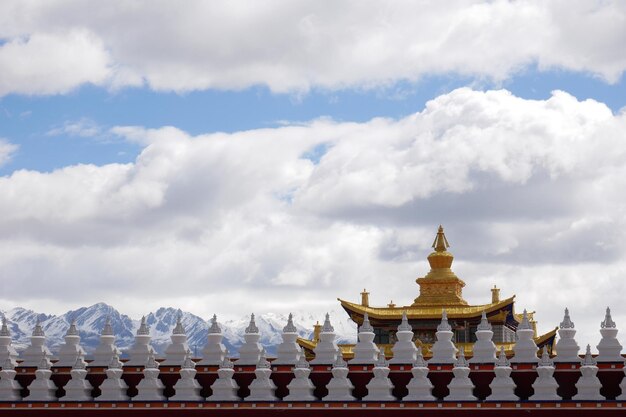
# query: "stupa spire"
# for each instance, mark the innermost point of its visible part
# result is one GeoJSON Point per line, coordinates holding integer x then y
{"type": "Point", "coordinates": [179, 329]}
{"type": "Point", "coordinates": [143, 327]}
{"type": "Point", "coordinates": [440, 243]}
{"type": "Point", "coordinates": [108, 329]}
{"type": "Point", "coordinates": [4, 331]}
{"type": "Point", "coordinates": [608, 322]}
{"type": "Point", "coordinates": [215, 328]}
{"type": "Point", "coordinates": [567, 322]}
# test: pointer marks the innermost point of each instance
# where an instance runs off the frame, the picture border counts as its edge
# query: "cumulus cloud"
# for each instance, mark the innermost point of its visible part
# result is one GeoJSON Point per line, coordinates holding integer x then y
{"type": "Point", "coordinates": [55, 46]}
{"type": "Point", "coordinates": [529, 191]}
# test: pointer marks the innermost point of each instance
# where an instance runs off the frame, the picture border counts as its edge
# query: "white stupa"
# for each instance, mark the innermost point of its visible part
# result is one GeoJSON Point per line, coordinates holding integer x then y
{"type": "Point", "coordinates": [404, 350]}
{"type": "Point", "coordinates": [71, 350]}
{"type": "Point", "coordinates": [9, 387]}
{"type": "Point", "coordinates": [365, 351]}
{"type": "Point", "coordinates": [224, 388]}
{"type": "Point", "coordinates": [78, 388]}
{"type": "Point", "coordinates": [588, 384]}
{"type": "Point", "coordinates": [545, 385]}
{"type": "Point", "coordinates": [113, 388]}
{"type": "Point", "coordinates": [250, 350]}
{"type": "Point", "coordinates": [566, 347]}
{"type": "Point", "coordinates": [502, 386]}
{"type": "Point", "coordinates": [288, 352]}
{"type": "Point", "coordinates": [339, 387]}
{"type": "Point", "coordinates": [301, 388]}
{"type": "Point", "coordinates": [379, 388]}
{"type": "Point", "coordinates": [609, 348]}
{"type": "Point", "coordinates": [42, 388]}
{"type": "Point", "coordinates": [443, 349]}
{"type": "Point", "coordinates": [106, 349]}
{"type": "Point", "coordinates": [176, 352]}
{"type": "Point", "coordinates": [37, 348]}
{"type": "Point", "coordinates": [7, 351]}
{"type": "Point", "coordinates": [420, 388]}
{"type": "Point", "coordinates": [484, 349]}
{"type": "Point", "coordinates": [141, 351]}
{"type": "Point", "coordinates": [525, 347]}
{"type": "Point", "coordinates": [326, 351]}
{"type": "Point", "coordinates": [150, 388]}
{"type": "Point", "coordinates": [461, 386]}
{"type": "Point", "coordinates": [622, 385]}
{"type": "Point", "coordinates": [262, 388]}
{"type": "Point", "coordinates": [214, 352]}
{"type": "Point", "coordinates": [187, 388]}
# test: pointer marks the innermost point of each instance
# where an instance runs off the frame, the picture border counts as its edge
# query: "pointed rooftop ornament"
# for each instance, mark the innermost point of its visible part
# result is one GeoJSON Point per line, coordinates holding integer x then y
{"type": "Point", "coordinates": [444, 326]}
{"type": "Point", "coordinates": [252, 326]}
{"type": "Point", "coordinates": [588, 359]}
{"type": "Point", "coordinates": [366, 326]}
{"type": "Point", "coordinates": [545, 358]}
{"type": "Point", "coordinates": [215, 328]}
{"type": "Point", "coordinates": [116, 363]}
{"type": "Point", "coordinates": [290, 327]}
{"type": "Point", "coordinates": [608, 322]}
{"type": "Point", "coordinates": [440, 244]}
{"type": "Point", "coordinates": [152, 362]}
{"type": "Point", "coordinates": [382, 361]}
{"type": "Point", "coordinates": [404, 325]}
{"type": "Point", "coordinates": [567, 322]}
{"type": "Point", "coordinates": [419, 360]}
{"type": "Point", "coordinates": [263, 362]}
{"type": "Point", "coordinates": [188, 363]}
{"type": "Point", "coordinates": [525, 324]}
{"type": "Point", "coordinates": [80, 363]}
{"type": "Point", "coordinates": [484, 323]}
{"type": "Point", "coordinates": [4, 331]}
{"type": "Point", "coordinates": [38, 331]}
{"type": "Point", "coordinates": [108, 329]}
{"type": "Point", "coordinates": [502, 360]}
{"type": "Point", "coordinates": [143, 327]}
{"type": "Point", "coordinates": [179, 329]}
{"type": "Point", "coordinates": [72, 331]}
{"type": "Point", "coordinates": [327, 327]}
{"type": "Point", "coordinates": [340, 363]}
{"type": "Point", "coordinates": [44, 363]}
{"type": "Point", "coordinates": [461, 362]}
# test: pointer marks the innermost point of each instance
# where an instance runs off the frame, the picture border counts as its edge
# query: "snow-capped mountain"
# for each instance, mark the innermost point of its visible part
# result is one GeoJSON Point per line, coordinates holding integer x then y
{"type": "Point", "coordinates": [90, 321]}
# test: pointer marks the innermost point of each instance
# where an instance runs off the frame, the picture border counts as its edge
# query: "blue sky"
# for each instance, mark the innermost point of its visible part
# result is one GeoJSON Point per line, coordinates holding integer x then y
{"type": "Point", "coordinates": [189, 155]}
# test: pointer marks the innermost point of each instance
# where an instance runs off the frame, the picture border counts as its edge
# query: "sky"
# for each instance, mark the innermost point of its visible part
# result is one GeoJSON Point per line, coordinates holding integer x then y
{"type": "Point", "coordinates": [232, 157]}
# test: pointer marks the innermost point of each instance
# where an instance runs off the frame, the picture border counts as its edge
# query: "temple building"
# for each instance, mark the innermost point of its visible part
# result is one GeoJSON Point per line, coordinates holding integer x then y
{"type": "Point", "coordinates": [440, 290]}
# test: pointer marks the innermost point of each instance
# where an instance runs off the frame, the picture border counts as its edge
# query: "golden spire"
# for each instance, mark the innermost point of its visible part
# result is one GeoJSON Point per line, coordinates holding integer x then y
{"type": "Point", "coordinates": [441, 243]}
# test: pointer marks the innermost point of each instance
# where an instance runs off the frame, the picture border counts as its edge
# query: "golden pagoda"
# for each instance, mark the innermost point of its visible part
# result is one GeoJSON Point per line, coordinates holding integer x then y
{"type": "Point", "coordinates": [440, 289]}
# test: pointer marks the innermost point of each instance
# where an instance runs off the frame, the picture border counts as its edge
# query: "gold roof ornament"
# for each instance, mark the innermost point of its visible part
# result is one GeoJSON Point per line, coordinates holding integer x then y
{"type": "Point", "coordinates": [440, 287]}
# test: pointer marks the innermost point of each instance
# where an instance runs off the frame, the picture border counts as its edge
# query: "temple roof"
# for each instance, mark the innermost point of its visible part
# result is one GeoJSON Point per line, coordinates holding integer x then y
{"type": "Point", "coordinates": [454, 312]}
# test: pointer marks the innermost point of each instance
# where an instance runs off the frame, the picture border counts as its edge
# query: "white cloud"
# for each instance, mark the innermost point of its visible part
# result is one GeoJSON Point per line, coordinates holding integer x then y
{"type": "Point", "coordinates": [58, 45]}
{"type": "Point", "coordinates": [530, 193]}
{"type": "Point", "coordinates": [7, 150]}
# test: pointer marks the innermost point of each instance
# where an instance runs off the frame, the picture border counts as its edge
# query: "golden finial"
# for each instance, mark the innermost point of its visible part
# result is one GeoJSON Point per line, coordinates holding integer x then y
{"type": "Point", "coordinates": [365, 299]}
{"type": "Point", "coordinates": [441, 243]}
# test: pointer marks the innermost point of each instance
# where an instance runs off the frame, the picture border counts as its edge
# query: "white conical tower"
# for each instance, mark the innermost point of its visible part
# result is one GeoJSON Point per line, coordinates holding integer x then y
{"type": "Point", "coordinates": [525, 349]}
{"type": "Point", "coordinates": [78, 388]}
{"type": "Point", "coordinates": [113, 388]}
{"type": "Point", "coordinates": [301, 388]}
{"type": "Point", "coordinates": [365, 351]}
{"type": "Point", "coordinates": [420, 388]}
{"type": "Point", "coordinates": [484, 349]}
{"type": "Point", "coordinates": [502, 386]}
{"type": "Point", "coordinates": [9, 388]}
{"type": "Point", "coordinates": [262, 388]}
{"type": "Point", "coordinates": [609, 348]}
{"type": "Point", "coordinates": [250, 350]}
{"type": "Point", "coordinates": [106, 349]}
{"type": "Point", "coordinates": [461, 386]}
{"type": "Point", "coordinates": [567, 348]}
{"type": "Point", "coordinates": [187, 388]}
{"type": "Point", "coordinates": [545, 385]}
{"type": "Point", "coordinates": [588, 384]}
{"type": "Point", "coordinates": [379, 388]}
{"type": "Point", "coordinates": [71, 350]}
{"type": "Point", "coordinates": [141, 350]}
{"type": "Point", "coordinates": [42, 388]}
{"type": "Point", "coordinates": [443, 350]}
{"type": "Point", "coordinates": [150, 388]}
{"type": "Point", "coordinates": [404, 350]}
{"type": "Point", "coordinates": [7, 351]}
{"type": "Point", "coordinates": [32, 355]}
{"type": "Point", "coordinates": [214, 352]}
{"type": "Point", "coordinates": [176, 352]}
{"type": "Point", "coordinates": [326, 351]}
{"type": "Point", "coordinates": [288, 352]}
{"type": "Point", "coordinates": [339, 387]}
{"type": "Point", "coordinates": [224, 388]}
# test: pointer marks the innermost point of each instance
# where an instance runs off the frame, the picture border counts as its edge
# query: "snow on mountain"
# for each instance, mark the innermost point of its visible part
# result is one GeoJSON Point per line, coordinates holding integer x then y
{"type": "Point", "coordinates": [90, 321]}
